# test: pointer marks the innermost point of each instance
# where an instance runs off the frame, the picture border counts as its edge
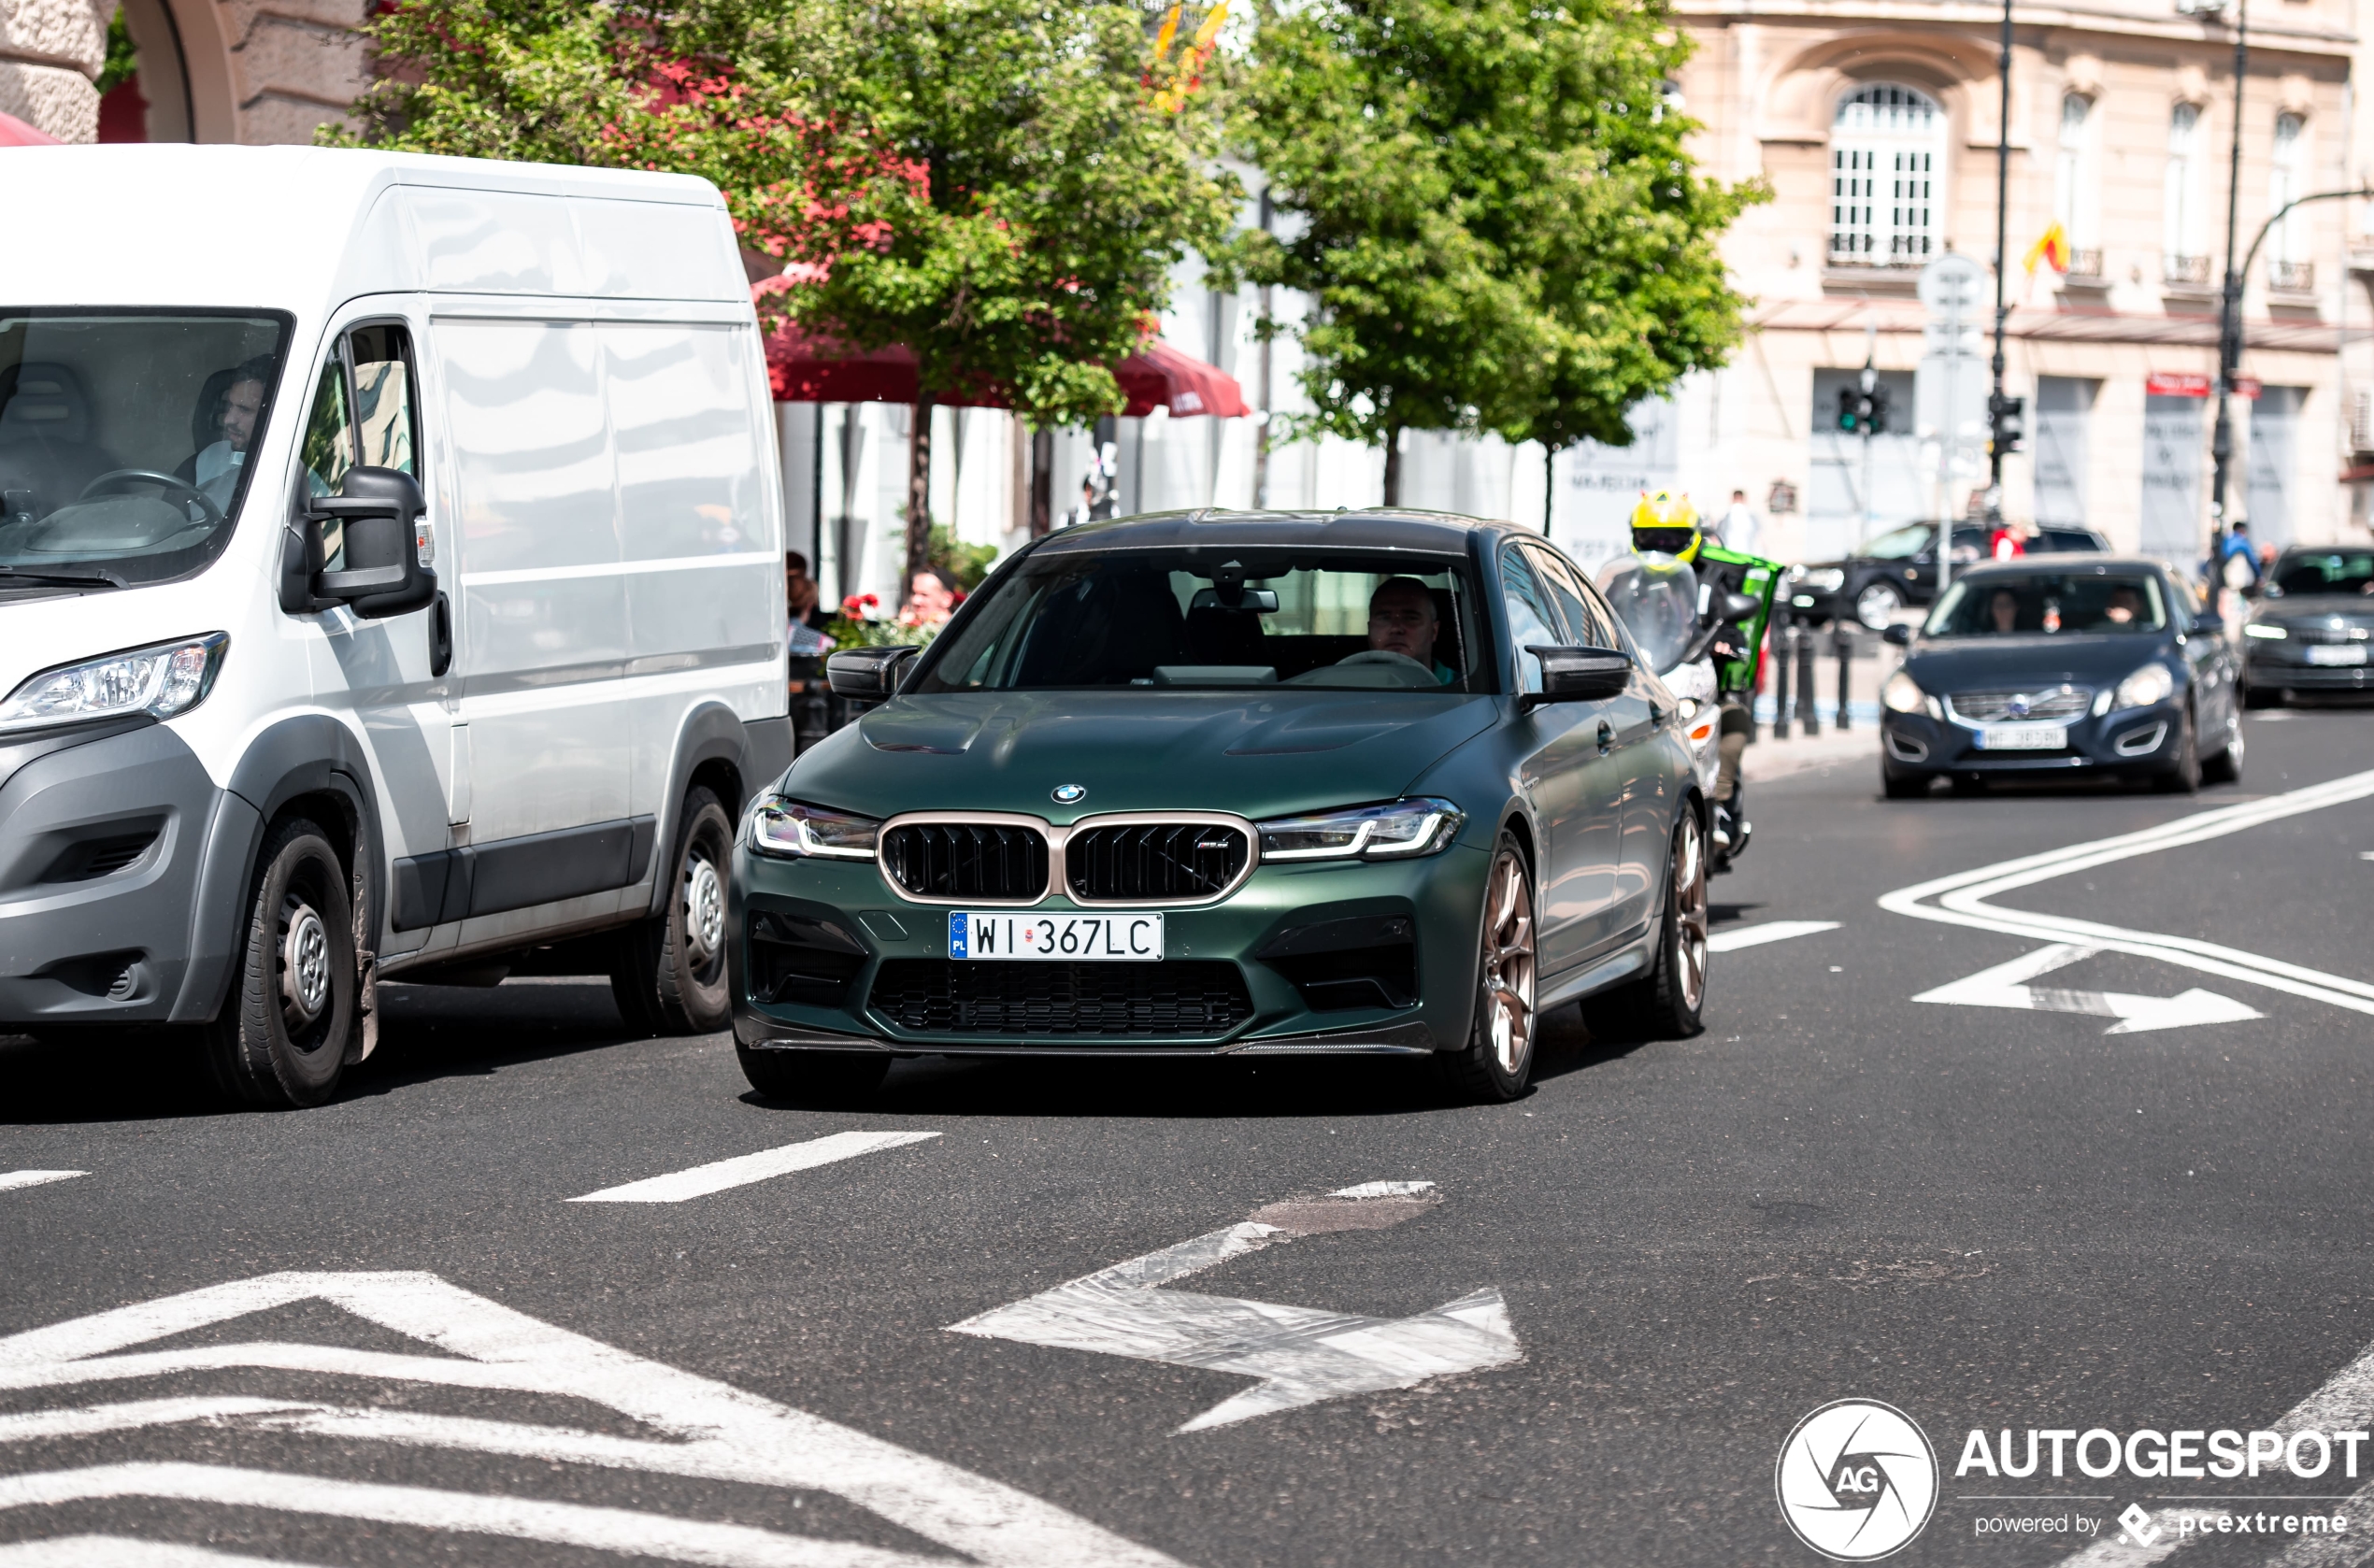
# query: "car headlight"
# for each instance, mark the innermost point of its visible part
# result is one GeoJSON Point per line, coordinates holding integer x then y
{"type": "Point", "coordinates": [792, 829]}
{"type": "Point", "coordinates": [1397, 829]}
{"type": "Point", "coordinates": [1829, 579]}
{"type": "Point", "coordinates": [165, 680]}
{"type": "Point", "coordinates": [2255, 630]}
{"type": "Point", "coordinates": [2150, 684]}
{"type": "Point", "coordinates": [1903, 695]}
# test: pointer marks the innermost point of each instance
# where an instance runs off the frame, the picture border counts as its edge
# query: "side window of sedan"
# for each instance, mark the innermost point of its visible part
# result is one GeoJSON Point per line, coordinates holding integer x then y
{"type": "Point", "coordinates": [1532, 623]}
{"type": "Point", "coordinates": [1584, 622]}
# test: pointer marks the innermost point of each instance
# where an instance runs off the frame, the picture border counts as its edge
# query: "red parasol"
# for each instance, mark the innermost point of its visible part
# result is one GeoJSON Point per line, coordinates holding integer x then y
{"type": "Point", "coordinates": [805, 367]}
{"type": "Point", "coordinates": [15, 133]}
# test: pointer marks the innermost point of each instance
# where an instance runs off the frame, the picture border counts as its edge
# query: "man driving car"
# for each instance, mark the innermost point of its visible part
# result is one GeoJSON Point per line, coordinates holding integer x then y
{"type": "Point", "coordinates": [1402, 620]}
{"type": "Point", "coordinates": [216, 468]}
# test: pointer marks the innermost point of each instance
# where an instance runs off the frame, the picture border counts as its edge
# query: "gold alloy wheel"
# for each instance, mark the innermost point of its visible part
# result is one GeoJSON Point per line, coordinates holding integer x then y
{"type": "Point", "coordinates": [1689, 895]}
{"type": "Point", "coordinates": [1508, 959]}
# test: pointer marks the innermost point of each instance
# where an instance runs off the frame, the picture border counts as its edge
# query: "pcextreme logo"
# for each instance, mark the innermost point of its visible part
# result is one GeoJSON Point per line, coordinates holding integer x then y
{"type": "Point", "coordinates": [1856, 1480]}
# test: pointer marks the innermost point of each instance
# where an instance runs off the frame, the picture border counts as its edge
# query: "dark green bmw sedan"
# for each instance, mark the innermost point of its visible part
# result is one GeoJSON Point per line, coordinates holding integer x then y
{"type": "Point", "coordinates": [1232, 784]}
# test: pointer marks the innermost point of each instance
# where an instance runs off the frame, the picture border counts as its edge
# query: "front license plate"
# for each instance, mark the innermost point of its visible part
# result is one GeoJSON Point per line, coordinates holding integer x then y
{"type": "Point", "coordinates": [2351, 653]}
{"type": "Point", "coordinates": [1062, 938]}
{"type": "Point", "coordinates": [2023, 737]}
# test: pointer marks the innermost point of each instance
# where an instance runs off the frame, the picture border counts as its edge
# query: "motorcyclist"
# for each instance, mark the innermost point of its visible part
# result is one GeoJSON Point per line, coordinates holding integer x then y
{"type": "Point", "coordinates": [1666, 523]}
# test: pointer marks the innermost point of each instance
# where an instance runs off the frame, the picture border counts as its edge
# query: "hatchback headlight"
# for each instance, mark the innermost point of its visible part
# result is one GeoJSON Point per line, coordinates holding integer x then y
{"type": "Point", "coordinates": [2257, 630]}
{"type": "Point", "coordinates": [792, 829]}
{"type": "Point", "coordinates": [2150, 684]}
{"type": "Point", "coordinates": [1903, 695]}
{"type": "Point", "coordinates": [165, 680]}
{"type": "Point", "coordinates": [1398, 830]}
{"type": "Point", "coordinates": [1829, 579]}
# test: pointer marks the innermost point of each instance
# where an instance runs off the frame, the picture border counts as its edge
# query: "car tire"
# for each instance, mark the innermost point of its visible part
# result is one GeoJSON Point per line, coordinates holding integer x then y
{"type": "Point", "coordinates": [813, 1077]}
{"type": "Point", "coordinates": [1903, 786]}
{"type": "Point", "coordinates": [1669, 1001]}
{"type": "Point", "coordinates": [2226, 766]}
{"type": "Point", "coordinates": [668, 976]}
{"type": "Point", "coordinates": [281, 1040]}
{"type": "Point", "coordinates": [1497, 1062]}
{"type": "Point", "coordinates": [1876, 604]}
{"type": "Point", "coordinates": [2184, 776]}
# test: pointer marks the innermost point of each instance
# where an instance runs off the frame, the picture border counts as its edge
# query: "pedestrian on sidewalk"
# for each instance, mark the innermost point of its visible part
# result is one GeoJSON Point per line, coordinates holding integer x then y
{"type": "Point", "coordinates": [1738, 526]}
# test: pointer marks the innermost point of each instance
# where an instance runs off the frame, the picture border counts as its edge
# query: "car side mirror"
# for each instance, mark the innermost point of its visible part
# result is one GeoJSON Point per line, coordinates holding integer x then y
{"type": "Point", "coordinates": [2209, 625]}
{"type": "Point", "coordinates": [1897, 636]}
{"type": "Point", "coordinates": [868, 675]}
{"type": "Point", "coordinates": [1578, 674]}
{"type": "Point", "coordinates": [383, 518]}
{"type": "Point", "coordinates": [1738, 606]}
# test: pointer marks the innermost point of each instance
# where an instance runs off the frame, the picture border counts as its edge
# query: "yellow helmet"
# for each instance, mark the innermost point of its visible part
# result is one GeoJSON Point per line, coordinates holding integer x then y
{"type": "Point", "coordinates": [1666, 523]}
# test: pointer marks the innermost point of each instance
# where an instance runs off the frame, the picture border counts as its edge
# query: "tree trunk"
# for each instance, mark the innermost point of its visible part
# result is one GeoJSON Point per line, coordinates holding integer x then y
{"type": "Point", "coordinates": [1549, 485]}
{"type": "Point", "coordinates": [919, 494]}
{"type": "Point", "coordinates": [1393, 465]}
{"type": "Point", "coordinates": [1042, 481]}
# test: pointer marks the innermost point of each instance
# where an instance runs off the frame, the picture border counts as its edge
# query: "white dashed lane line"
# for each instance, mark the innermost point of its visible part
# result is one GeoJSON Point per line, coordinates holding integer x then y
{"type": "Point", "coordinates": [702, 1180]}
{"type": "Point", "coordinates": [1771, 931]}
{"type": "Point", "coordinates": [12, 1180]}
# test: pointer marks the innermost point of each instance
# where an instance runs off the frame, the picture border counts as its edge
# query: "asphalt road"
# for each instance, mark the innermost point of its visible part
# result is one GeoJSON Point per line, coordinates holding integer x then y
{"type": "Point", "coordinates": [1983, 1216]}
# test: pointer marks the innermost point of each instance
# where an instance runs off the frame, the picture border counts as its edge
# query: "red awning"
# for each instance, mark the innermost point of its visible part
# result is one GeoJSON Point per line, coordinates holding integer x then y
{"type": "Point", "coordinates": [803, 367]}
{"type": "Point", "coordinates": [15, 133]}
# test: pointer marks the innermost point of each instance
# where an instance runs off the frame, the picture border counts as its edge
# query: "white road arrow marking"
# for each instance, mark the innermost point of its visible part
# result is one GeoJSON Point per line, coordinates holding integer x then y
{"type": "Point", "coordinates": [2004, 986]}
{"type": "Point", "coordinates": [114, 1551]}
{"type": "Point", "coordinates": [1771, 931]}
{"type": "Point", "coordinates": [702, 1180]}
{"type": "Point", "coordinates": [10, 1180]}
{"type": "Point", "coordinates": [1300, 1354]}
{"type": "Point", "coordinates": [710, 1430]}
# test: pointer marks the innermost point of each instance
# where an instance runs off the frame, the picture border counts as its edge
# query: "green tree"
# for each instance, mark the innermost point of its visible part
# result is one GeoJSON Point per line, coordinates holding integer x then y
{"type": "Point", "coordinates": [1000, 185]}
{"type": "Point", "coordinates": [1500, 228]}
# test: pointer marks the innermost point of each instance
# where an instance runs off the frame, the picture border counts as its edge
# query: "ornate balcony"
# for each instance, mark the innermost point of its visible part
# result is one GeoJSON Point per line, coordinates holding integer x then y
{"type": "Point", "coordinates": [2187, 271]}
{"type": "Point", "coordinates": [2085, 267]}
{"type": "Point", "coordinates": [2290, 277]}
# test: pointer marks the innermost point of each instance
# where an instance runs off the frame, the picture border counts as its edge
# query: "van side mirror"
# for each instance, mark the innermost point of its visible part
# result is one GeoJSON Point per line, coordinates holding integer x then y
{"type": "Point", "coordinates": [869, 675]}
{"type": "Point", "coordinates": [383, 518]}
{"type": "Point", "coordinates": [1577, 675]}
{"type": "Point", "coordinates": [1897, 636]}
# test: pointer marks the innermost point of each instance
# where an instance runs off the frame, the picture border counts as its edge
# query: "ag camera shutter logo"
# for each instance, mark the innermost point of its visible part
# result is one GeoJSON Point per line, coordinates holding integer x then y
{"type": "Point", "coordinates": [1857, 1480]}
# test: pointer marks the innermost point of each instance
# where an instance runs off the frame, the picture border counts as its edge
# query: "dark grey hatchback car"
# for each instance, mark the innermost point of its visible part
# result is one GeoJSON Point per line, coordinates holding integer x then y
{"type": "Point", "coordinates": [2069, 668]}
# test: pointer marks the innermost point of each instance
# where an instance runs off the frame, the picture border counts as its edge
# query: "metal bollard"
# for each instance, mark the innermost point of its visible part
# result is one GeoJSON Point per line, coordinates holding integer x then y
{"type": "Point", "coordinates": [1786, 638]}
{"type": "Point", "coordinates": [1843, 641]}
{"type": "Point", "coordinates": [1807, 720]}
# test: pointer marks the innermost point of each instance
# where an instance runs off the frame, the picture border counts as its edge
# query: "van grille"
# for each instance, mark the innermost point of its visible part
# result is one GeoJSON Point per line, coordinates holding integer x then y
{"type": "Point", "coordinates": [1178, 999]}
{"type": "Point", "coordinates": [968, 860]}
{"type": "Point", "coordinates": [1149, 861]}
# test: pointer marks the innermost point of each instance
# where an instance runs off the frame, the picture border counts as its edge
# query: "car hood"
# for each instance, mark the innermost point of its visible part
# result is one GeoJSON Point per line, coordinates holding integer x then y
{"type": "Point", "coordinates": [1261, 755]}
{"type": "Point", "coordinates": [2029, 663]}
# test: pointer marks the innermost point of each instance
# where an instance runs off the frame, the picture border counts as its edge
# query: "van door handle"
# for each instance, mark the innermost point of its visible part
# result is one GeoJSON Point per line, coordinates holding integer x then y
{"type": "Point", "coordinates": [1607, 736]}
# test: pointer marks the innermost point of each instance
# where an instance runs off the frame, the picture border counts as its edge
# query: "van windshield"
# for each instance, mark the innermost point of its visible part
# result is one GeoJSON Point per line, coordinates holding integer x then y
{"type": "Point", "coordinates": [124, 440]}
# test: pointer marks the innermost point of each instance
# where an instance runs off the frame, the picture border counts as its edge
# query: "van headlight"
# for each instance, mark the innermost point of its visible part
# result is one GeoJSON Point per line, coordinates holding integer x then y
{"type": "Point", "coordinates": [2150, 684]}
{"type": "Point", "coordinates": [795, 830]}
{"type": "Point", "coordinates": [1398, 830]}
{"type": "Point", "coordinates": [163, 680]}
{"type": "Point", "coordinates": [1903, 695]}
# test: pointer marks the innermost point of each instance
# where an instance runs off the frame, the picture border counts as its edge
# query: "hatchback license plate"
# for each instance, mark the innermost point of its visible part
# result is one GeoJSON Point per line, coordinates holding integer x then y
{"type": "Point", "coordinates": [990, 934]}
{"type": "Point", "coordinates": [2348, 653]}
{"type": "Point", "coordinates": [2023, 737]}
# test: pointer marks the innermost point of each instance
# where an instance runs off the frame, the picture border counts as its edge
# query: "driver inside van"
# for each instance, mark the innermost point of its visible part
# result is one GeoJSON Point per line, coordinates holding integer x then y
{"type": "Point", "coordinates": [1402, 620]}
{"type": "Point", "coordinates": [215, 469]}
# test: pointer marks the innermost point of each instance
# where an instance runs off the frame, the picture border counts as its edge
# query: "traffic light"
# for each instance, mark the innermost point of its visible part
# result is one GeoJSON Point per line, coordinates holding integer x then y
{"type": "Point", "coordinates": [1850, 410]}
{"type": "Point", "coordinates": [1864, 413]}
{"type": "Point", "coordinates": [1877, 415]}
{"type": "Point", "coordinates": [2008, 416]}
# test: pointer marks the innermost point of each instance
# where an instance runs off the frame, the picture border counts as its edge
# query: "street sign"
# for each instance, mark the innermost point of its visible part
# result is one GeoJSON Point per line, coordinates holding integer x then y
{"type": "Point", "coordinates": [1950, 286]}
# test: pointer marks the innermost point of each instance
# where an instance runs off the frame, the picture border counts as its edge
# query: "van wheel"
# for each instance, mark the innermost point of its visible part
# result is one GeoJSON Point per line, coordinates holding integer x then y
{"type": "Point", "coordinates": [669, 978]}
{"type": "Point", "coordinates": [821, 1077]}
{"type": "Point", "coordinates": [281, 1039]}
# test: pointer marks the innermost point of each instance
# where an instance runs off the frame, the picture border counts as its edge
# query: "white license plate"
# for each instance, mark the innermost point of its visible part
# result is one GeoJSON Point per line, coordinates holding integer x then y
{"type": "Point", "coordinates": [991, 933]}
{"type": "Point", "coordinates": [2351, 653]}
{"type": "Point", "coordinates": [2023, 737]}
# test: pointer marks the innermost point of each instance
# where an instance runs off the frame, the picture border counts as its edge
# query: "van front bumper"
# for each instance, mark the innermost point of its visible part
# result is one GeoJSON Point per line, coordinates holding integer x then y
{"type": "Point", "coordinates": [106, 835]}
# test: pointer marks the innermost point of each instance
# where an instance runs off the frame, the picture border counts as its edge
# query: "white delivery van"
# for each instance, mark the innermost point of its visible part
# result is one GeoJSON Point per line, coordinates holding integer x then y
{"type": "Point", "coordinates": [391, 585]}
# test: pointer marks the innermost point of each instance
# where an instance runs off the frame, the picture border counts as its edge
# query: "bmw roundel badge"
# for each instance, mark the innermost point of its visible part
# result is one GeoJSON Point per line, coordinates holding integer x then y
{"type": "Point", "coordinates": [1069, 794]}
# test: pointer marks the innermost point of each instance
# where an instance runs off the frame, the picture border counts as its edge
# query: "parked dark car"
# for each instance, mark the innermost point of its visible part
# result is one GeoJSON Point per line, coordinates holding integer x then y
{"type": "Point", "coordinates": [1899, 567]}
{"type": "Point", "coordinates": [2069, 667]}
{"type": "Point", "coordinates": [1253, 784]}
{"type": "Point", "coordinates": [2313, 626]}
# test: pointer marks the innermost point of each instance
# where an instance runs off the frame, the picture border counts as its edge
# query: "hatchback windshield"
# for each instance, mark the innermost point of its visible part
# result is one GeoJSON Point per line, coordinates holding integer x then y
{"type": "Point", "coordinates": [125, 439]}
{"type": "Point", "coordinates": [2325, 571]}
{"type": "Point", "coordinates": [1221, 619]}
{"type": "Point", "coordinates": [2048, 603]}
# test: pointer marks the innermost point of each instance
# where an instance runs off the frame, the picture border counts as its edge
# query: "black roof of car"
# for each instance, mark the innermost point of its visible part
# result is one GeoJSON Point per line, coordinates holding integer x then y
{"type": "Point", "coordinates": [2061, 564]}
{"type": "Point", "coordinates": [1217, 528]}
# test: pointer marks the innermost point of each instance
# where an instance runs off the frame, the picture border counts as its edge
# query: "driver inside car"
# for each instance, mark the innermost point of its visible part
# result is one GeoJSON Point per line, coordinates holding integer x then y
{"type": "Point", "coordinates": [1402, 620]}
{"type": "Point", "coordinates": [215, 469]}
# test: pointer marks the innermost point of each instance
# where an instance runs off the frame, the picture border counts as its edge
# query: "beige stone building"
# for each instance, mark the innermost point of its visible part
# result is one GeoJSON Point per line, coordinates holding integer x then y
{"type": "Point", "coordinates": [1875, 123]}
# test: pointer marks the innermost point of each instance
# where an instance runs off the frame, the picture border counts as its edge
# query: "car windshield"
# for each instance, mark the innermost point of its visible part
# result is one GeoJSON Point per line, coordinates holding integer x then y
{"type": "Point", "coordinates": [2346, 571]}
{"type": "Point", "coordinates": [124, 440]}
{"type": "Point", "coordinates": [1219, 618]}
{"type": "Point", "coordinates": [2048, 603]}
{"type": "Point", "coordinates": [1897, 544]}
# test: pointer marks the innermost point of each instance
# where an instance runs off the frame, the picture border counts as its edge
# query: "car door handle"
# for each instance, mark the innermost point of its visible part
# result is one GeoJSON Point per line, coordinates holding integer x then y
{"type": "Point", "coordinates": [1607, 736]}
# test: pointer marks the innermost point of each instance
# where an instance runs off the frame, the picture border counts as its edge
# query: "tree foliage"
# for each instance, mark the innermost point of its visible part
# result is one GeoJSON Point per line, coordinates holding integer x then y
{"type": "Point", "coordinates": [1494, 212]}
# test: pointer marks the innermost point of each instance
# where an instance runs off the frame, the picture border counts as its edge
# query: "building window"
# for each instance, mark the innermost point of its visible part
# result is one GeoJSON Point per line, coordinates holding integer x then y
{"type": "Point", "coordinates": [2076, 189]}
{"type": "Point", "coordinates": [2179, 205]}
{"type": "Point", "coordinates": [2286, 266]}
{"type": "Point", "coordinates": [1887, 175]}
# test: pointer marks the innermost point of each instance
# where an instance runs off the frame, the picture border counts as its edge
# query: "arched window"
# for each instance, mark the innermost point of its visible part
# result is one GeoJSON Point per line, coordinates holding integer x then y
{"type": "Point", "coordinates": [2076, 193]}
{"type": "Point", "coordinates": [2283, 187]}
{"type": "Point", "coordinates": [2180, 200]}
{"type": "Point", "coordinates": [1887, 177]}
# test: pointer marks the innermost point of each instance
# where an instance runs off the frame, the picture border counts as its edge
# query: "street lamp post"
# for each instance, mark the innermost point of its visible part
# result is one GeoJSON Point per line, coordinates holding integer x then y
{"type": "Point", "coordinates": [2229, 321]}
{"type": "Point", "coordinates": [1995, 404]}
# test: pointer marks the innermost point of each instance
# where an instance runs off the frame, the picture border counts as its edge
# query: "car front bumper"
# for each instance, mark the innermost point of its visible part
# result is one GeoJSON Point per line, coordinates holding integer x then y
{"type": "Point", "coordinates": [2284, 667]}
{"type": "Point", "coordinates": [2136, 740]}
{"type": "Point", "coordinates": [809, 940]}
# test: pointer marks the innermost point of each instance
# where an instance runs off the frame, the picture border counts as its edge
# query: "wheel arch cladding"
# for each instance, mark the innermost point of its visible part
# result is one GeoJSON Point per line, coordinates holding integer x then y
{"type": "Point", "coordinates": [710, 749]}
